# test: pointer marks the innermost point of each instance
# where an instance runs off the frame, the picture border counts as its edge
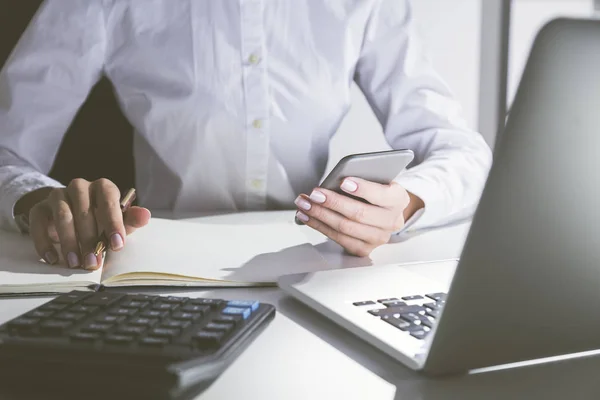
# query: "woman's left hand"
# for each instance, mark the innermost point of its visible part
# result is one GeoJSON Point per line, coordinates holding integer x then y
{"type": "Point", "coordinates": [358, 227]}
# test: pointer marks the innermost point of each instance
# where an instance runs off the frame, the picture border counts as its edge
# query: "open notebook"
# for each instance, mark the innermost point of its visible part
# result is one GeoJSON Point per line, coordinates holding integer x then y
{"type": "Point", "coordinates": [169, 253]}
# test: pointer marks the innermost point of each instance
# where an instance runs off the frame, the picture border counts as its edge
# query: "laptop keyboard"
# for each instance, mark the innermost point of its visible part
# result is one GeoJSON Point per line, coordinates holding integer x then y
{"type": "Point", "coordinates": [415, 314]}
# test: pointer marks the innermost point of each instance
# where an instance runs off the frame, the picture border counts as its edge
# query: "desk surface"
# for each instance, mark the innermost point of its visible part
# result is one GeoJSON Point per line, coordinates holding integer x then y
{"type": "Point", "coordinates": [302, 355]}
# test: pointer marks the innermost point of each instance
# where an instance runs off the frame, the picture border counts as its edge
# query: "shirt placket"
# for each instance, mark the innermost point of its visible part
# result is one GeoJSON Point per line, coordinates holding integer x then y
{"type": "Point", "coordinates": [256, 99]}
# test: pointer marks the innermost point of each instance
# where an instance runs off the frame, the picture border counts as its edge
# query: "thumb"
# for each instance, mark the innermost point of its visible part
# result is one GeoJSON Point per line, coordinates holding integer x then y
{"type": "Point", "coordinates": [136, 217]}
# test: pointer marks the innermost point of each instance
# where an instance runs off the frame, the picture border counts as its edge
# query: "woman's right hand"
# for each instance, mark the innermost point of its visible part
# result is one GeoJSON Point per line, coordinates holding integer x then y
{"type": "Point", "coordinates": [74, 217]}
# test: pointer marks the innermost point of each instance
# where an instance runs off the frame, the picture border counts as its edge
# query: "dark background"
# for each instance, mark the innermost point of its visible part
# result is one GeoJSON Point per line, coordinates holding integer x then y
{"type": "Point", "coordinates": [99, 125]}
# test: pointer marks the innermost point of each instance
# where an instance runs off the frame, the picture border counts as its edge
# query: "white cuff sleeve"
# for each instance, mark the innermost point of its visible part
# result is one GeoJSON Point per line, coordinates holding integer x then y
{"type": "Point", "coordinates": [13, 190]}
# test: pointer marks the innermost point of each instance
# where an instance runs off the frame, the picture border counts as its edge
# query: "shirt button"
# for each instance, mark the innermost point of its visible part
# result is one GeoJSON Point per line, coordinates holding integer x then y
{"type": "Point", "coordinates": [257, 124]}
{"type": "Point", "coordinates": [253, 59]}
{"type": "Point", "coordinates": [257, 183]}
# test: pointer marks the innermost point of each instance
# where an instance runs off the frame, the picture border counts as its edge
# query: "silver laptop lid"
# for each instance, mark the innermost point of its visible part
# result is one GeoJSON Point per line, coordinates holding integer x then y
{"type": "Point", "coordinates": [528, 283]}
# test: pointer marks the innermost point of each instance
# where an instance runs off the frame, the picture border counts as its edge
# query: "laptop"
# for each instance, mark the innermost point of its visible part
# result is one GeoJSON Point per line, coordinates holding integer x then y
{"type": "Point", "coordinates": [527, 284]}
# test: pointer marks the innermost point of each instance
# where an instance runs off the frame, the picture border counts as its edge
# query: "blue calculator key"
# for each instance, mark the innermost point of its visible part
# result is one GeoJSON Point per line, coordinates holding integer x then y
{"type": "Point", "coordinates": [244, 312]}
{"type": "Point", "coordinates": [253, 305]}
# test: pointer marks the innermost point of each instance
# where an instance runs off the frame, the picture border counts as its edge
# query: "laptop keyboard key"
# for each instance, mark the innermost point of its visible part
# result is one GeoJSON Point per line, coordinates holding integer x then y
{"type": "Point", "coordinates": [419, 333]}
{"type": "Point", "coordinates": [196, 308]}
{"type": "Point", "coordinates": [433, 313]}
{"type": "Point", "coordinates": [396, 322]}
{"type": "Point", "coordinates": [415, 297]}
{"type": "Point", "coordinates": [394, 303]}
{"type": "Point", "coordinates": [382, 301]}
{"type": "Point", "coordinates": [363, 303]}
{"type": "Point", "coordinates": [437, 296]}
{"type": "Point", "coordinates": [397, 310]}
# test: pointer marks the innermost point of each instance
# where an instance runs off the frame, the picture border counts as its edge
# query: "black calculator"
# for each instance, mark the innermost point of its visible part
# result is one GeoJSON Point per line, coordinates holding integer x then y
{"type": "Point", "coordinates": [84, 345]}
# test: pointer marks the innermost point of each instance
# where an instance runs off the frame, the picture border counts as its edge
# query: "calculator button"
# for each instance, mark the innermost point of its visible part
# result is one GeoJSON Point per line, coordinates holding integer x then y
{"type": "Point", "coordinates": [122, 311]}
{"type": "Point", "coordinates": [80, 308]}
{"type": "Point", "coordinates": [23, 323]}
{"type": "Point", "coordinates": [154, 314]}
{"type": "Point", "coordinates": [85, 336]}
{"type": "Point", "coordinates": [54, 327]}
{"type": "Point", "coordinates": [53, 307]}
{"type": "Point", "coordinates": [110, 319]}
{"type": "Point", "coordinates": [173, 299]}
{"type": "Point", "coordinates": [396, 310]}
{"type": "Point", "coordinates": [186, 316]}
{"type": "Point", "coordinates": [141, 321]}
{"type": "Point", "coordinates": [69, 316]}
{"type": "Point", "coordinates": [196, 308]}
{"type": "Point", "coordinates": [118, 339]}
{"type": "Point", "coordinates": [160, 306]}
{"type": "Point", "coordinates": [71, 298]}
{"type": "Point", "coordinates": [154, 341]}
{"type": "Point", "coordinates": [232, 319]}
{"type": "Point", "coordinates": [102, 299]}
{"type": "Point", "coordinates": [221, 327]}
{"type": "Point", "coordinates": [39, 314]}
{"type": "Point", "coordinates": [175, 324]}
{"type": "Point", "coordinates": [432, 306]}
{"type": "Point", "coordinates": [213, 303]}
{"type": "Point", "coordinates": [142, 297]}
{"type": "Point", "coordinates": [243, 312]}
{"type": "Point", "coordinates": [433, 313]}
{"type": "Point", "coordinates": [253, 305]}
{"type": "Point", "coordinates": [134, 304]}
{"type": "Point", "coordinates": [103, 328]}
{"type": "Point", "coordinates": [131, 330]}
{"type": "Point", "coordinates": [207, 339]}
{"type": "Point", "coordinates": [164, 332]}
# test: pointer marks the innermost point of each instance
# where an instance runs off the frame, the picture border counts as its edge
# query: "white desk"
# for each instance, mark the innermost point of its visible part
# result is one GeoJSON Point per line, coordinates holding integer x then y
{"type": "Point", "coordinates": [302, 355]}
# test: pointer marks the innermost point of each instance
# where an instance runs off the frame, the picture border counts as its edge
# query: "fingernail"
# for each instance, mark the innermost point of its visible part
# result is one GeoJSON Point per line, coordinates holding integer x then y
{"type": "Point", "coordinates": [317, 197]}
{"type": "Point", "coordinates": [349, 185]}
{"type": "Point", "coordinates": [116, 241]}
{"type": "Point", "coordinates": [73, 260]}
{"type": "Point", "coordinates": [302, 203]}
{"type": "Point", "coordinates": [50, 257]}
{"type": "Point", "coordinates": [91, 261]}
{"type": "Point", "coordinates": [301, 216]}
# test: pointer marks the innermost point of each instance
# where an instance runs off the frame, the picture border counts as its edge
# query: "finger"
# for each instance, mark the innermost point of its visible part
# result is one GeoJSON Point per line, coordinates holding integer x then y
{"type": "Point", "coordinates": [352, 245]}
{"type": "Point", "coordinates": [346, 226]}
{"type": "Point", "coordinates": [108, 212]}
{"type": "Point", "coordinates": [358, 211]}
{"type": "Point", "coordinates": [62, 216]}
{"type": "Point", "coordinates": [39, 222]}
{"type": "Point", "coordinates": [135, 218]}
{"type": "Point", "coordinates": [85, 221]}
{"type": "Point", "coordinates": [389, 196]}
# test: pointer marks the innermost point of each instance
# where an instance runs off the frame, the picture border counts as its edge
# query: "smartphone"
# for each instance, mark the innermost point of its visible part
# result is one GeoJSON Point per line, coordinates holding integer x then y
{"type": "Point", "coordinates": [380, 167]}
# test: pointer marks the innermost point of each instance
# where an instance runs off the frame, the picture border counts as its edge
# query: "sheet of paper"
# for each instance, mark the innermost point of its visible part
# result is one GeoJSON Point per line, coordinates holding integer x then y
{"type": "Point", "coordinates": [20, 265]}
{"type": "Point", "coordinates": [241, 253]}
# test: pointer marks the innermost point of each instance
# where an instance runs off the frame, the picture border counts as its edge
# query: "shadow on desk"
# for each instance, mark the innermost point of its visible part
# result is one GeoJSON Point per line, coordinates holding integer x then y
{"type": "Point", "coordinates": [570, 379]}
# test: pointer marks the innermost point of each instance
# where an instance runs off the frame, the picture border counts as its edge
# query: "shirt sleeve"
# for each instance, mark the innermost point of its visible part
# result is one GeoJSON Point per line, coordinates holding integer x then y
{"type": "Point", "coordinates": [418, 112]}
{"type": "Point", "coordinates": [43, 84]}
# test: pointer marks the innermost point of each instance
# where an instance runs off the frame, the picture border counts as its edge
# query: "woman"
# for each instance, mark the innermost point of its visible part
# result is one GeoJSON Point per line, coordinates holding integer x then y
{"type": "Point", "coordinates": [234, 103]}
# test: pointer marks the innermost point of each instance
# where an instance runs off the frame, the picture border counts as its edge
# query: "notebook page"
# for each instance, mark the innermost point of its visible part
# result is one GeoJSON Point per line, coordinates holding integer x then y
{"type": "Point", "coordinates": [239, 253]}
{"type": "Point", "coordinates": [21, 267]}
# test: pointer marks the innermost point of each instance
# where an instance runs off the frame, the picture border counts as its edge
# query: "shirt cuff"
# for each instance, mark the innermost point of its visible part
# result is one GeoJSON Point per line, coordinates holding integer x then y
{"type": "Point", "coordinates": [434, 197]}
{"type": "Point", "coordinates": [15, 189]}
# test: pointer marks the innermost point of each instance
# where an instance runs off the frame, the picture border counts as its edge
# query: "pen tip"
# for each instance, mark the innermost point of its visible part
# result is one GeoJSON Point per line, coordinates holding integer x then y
{"type": "Point", "coordinates": [99, 248]}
